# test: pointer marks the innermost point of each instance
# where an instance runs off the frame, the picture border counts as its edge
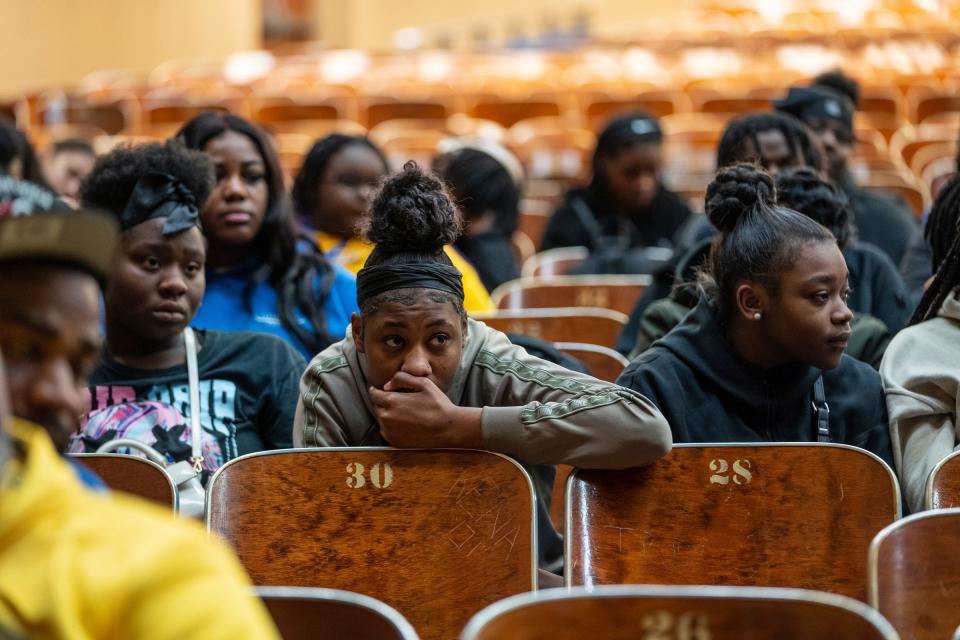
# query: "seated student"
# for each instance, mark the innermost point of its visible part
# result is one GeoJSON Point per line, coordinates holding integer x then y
{"type": "Point", "coordinates": [876, 295]}
{"type": "Point", "coordinates": [626, 199]}
{"type": "Point", "coordinates": [829, 113]}
{"type": "Point", "coordinates": [331, 194]}
{"type": "Point", "coordinates": [484, 179]}
{"type": "Point", "coordinates": [65, 164]}
{"type": "Point", "coordinates": [921, 369]}
{"type": "Point", "coordinates": [416, 372]}
{"type": "Point", "coordinates": [140, 388]}
{"type": "Point", "coordinates": [260, 276]}
{"type": "Point", "coordinates": [76, 564]}
{"type": "Point", "coordinates": [771, 140]}
{"type": "Point", "coordinates": [765, 344]}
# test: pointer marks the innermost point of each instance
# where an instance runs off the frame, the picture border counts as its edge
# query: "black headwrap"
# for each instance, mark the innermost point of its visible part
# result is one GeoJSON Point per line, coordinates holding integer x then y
{"type": "Point", "coordinates": [805, 103]}
{"type": "Point", "coordinates": [372, 281]}
{"type": "Point", "coordinates": [159, 195]}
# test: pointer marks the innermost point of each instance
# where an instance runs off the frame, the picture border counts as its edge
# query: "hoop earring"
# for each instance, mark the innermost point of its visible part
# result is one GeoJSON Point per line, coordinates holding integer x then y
{"type": "Point", "coordinates": [757, 316]}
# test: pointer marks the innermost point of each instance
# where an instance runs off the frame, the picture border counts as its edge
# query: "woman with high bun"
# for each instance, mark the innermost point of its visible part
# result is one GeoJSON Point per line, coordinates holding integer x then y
{"type": "Point", "coordinates": [761, 356]}
{"type": "Point", "coordinates": [415, 371]}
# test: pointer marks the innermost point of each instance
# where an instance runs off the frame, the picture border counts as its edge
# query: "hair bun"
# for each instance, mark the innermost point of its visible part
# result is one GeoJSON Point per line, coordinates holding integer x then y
{"type": "Point", "coordinates": [735, 190]}
{"type": "Point", "coordinates": [413, 213]}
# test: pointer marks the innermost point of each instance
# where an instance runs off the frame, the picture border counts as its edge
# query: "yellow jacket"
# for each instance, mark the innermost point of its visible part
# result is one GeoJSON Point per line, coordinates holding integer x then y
{"type": "Point", "coordinates": [78, 565]}
{"type": "Point", "coordinates": [351, 254]}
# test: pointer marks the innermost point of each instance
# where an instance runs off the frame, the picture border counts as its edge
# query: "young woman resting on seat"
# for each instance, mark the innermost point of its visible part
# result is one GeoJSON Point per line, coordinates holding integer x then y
{"type": "Point", "coordinates": [767, 336]}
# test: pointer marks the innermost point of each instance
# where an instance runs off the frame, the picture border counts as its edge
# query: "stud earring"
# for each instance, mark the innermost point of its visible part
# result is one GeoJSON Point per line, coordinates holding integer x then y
{"type": "Point", "coordinates": [757, 316]}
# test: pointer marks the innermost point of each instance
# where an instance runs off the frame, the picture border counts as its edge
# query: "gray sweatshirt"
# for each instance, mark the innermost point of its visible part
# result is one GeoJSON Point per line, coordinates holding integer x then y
{"type": "Point", "coordinates": [921, 378]}
{"type": "Point", "coordinates": [533, 410]}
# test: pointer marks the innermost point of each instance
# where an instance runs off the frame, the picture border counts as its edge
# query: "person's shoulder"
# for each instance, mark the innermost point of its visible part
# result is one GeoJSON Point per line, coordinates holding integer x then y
{"type": "Point", "coordinates": [655, 360]}
{"type": "Point", "coordinates": [853, 374]}
{"type": "Point", "coordinates": [872, 255]}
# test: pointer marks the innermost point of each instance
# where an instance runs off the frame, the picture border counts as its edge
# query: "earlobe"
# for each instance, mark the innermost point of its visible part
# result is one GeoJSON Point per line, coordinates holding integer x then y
{"type": "Point", "coordinates": [751, 301]}
{"type": "Point", "coordinates": [356, 329]}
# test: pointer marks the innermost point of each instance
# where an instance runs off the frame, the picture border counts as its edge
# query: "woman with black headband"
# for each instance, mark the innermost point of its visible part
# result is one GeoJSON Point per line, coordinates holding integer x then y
{"type": "Point", "coordinates": [625, 198]}
{"type": "Point", "coordinates": [247, 382]}
{"type": "Point", "coordinates": [416, 372]}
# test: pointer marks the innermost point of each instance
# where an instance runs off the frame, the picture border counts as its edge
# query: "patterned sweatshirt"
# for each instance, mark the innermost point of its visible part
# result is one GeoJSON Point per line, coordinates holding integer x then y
{"type": "Point", "coordinates": [533, 410]}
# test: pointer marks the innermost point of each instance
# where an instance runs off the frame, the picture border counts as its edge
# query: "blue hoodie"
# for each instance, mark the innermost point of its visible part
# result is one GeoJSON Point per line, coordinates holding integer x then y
{"type": "Point", "coordinates": [225, 307]}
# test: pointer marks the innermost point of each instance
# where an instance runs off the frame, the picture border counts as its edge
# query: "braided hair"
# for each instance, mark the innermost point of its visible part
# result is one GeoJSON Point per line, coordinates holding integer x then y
{"type": "Point", "coordinates": [803, 189]}
{"type": "Point", "coordinates": [758, 238]}
{"type": "Point", "coordinates": [289, 262]}
{"type": "Point", "coordinates": [740, 131]}
{"type": "Point", "coordinates": [943, 235]}
{"type": "Point", "coordinates": [412, 218]}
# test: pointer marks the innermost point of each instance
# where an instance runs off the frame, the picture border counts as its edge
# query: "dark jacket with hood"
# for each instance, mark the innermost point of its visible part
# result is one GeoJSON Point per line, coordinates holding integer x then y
{"type": "Point", "coordinates": [660, 224]}
{"type": "Point", "coordinates": [879, 220]}
{"type": "Point", "coordinates": [709, 394]}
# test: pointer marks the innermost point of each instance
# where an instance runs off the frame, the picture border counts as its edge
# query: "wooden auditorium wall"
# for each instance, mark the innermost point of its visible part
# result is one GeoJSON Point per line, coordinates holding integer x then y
{"type": "Point", "coordinates": [59, 41]}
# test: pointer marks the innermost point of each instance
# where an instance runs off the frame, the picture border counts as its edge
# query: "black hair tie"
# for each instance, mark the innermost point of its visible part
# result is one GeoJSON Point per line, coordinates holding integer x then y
{"type": "Point", "coordinates": [160, 195]}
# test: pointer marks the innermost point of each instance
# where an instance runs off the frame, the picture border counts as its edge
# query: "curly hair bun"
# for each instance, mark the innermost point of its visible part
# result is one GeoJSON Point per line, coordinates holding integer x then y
{"type": "Point", "coordinates": [735, 190]}
{"type": "Point", "coordinates": [413, 213]}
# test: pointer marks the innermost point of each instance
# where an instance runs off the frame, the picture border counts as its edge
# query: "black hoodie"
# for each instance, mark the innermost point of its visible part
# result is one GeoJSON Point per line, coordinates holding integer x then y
{"type": "Point", "coordinates": [710, 394]}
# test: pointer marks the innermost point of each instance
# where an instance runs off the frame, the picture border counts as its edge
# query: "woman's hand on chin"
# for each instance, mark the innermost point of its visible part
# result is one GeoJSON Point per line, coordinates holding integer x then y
{"type": "Point", "coordinates": [414, 412]}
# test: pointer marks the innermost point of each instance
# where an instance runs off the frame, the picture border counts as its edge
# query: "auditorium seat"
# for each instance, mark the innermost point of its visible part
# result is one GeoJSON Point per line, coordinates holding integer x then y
{"type": "Point", "coordinates": [914, 572]}
{"type": "Point", "coordinates": [585, 324]}
{"type": "Point", "coordinates": [943, 486]}
{"type": "Point", "coordinates": [132, 474]}
{"type": "Point", "coordinates": [305, 613]}
{"type": "Point", "coordinates": [553, 262]}
{"type": "Point", "coordinates": [678, 613]}
{"type": "Point", "coordinates": [436, 534]}
{"type": "Point", "coordinates": [602, 362]}
{"type": "Point", "coordinates": [616, 292]}
{"type": "Point", "coordinates": [786, 515]}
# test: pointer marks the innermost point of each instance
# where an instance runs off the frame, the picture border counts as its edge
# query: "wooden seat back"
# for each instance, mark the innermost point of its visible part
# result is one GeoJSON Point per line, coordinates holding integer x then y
{"type": "Point", "coordinates": [687, 613]}
{"type": "Point", "coordinates": [618, 293]}
{"type": "Point", "coordinates": [785, 515]}
{"type": "Point", "coordinates": [436, 534]}
{"type": "Point", "coordinates": [132, 474]}
{"type": "Point", "coordinates": [598, 326]}
{"type": "Point", "coordinates": [603, 362]}
{"type": "Point", "coordinates": [304, 613]}
{"type": "Point", "coordinates": [553, 262]}
{"type": "Point", "coordinates": [943, 485]}
{"type": "Point", "coordinates": [914, 566]}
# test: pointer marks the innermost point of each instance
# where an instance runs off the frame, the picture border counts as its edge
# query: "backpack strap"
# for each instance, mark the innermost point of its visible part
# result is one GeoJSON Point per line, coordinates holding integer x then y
{"type": "Point", "coordinates": [821, 411]}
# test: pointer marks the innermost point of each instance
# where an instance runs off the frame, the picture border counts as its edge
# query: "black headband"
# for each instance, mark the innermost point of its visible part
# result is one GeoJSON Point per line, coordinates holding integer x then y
{"type": "Point", "coordinates": [159, 195]}
{"type": "Point", "coordinates": [372, 281]}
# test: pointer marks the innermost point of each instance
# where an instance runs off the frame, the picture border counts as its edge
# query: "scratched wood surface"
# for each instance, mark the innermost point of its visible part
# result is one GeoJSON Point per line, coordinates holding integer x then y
{"type": "Point", "coordinates": [308, 619]}
{"type": "Point", "coordinates": [437, 535]}
{"type": "Point", "coordinates": [944, 489]}
{"type": "Point", "coordinates": [593, 326]}
{"type": "Point", "coordinates": [784, 516]}
{"type": "Point", "coordinates": [618, 293]}
{"type": "Point", "coordinates": [675, 618]}
{"type": "Point", "coordinates": [915, 568]}
{"type": "Point", "coordinates": [133, 475]}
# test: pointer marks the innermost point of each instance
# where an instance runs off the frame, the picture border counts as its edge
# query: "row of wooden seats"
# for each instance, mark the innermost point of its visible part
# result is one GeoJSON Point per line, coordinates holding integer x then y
{"type": "Point", "coordinates": [604, 613]}
{"type": "Point", "coordinates": [882, 108]}
{"type": "Point", "coordinates": [438, 534]}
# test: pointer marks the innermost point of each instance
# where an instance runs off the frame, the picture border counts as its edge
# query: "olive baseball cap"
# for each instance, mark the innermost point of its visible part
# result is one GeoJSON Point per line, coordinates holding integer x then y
{"type": "Point", "coordinates": [36, 226]}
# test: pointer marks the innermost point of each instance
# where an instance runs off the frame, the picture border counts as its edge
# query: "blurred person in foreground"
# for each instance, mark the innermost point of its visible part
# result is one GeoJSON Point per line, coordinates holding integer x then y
{"type": "Point", "coordinates": [76, 564]}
